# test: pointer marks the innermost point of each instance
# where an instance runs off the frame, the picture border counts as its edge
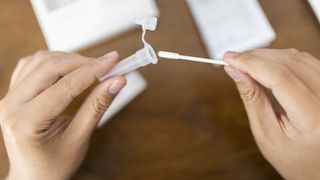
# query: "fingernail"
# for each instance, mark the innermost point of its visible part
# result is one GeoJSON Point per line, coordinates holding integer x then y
{"type": "Point", "coordinates": [111, 54]}
{"type": "Point", "coordinates": [234, 74]}
{"type": "Point", "coordinates": [116, 87]}
{"type": "Point", "coordinates": [231, 54]}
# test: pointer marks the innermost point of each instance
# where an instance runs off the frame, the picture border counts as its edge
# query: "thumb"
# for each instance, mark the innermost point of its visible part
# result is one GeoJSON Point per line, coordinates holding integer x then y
{"type": "Point", "coordinates": [93, 108]}
{"type": "Point", "coordinates": [262, 117]}
{"type": "Point", "coordinates": [248, 89]}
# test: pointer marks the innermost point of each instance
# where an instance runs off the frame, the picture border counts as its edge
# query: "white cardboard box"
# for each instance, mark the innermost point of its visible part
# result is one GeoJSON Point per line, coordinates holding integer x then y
{"type": "Point", "coordinates": [71, 25]}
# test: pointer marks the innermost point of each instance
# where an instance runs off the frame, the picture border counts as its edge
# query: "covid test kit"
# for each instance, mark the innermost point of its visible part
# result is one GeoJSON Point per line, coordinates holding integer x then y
{"type": "Point", "coordinates": [73, 25]}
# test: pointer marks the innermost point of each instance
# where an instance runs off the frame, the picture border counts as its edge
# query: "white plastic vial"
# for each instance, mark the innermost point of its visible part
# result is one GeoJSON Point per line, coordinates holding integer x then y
{"type": "Point", "coordinates": [141, 58]}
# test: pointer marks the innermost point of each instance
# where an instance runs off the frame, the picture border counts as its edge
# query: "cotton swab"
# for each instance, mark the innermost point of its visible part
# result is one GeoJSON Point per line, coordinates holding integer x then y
{"type": "Point", "coordinates": [176, 56]}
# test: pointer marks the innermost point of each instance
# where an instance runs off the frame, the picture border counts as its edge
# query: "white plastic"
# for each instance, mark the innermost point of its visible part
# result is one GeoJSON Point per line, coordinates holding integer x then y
{"type": "Point", "coordinates": [147, 22]}
{"type": "Point", "coordinates": [141, 58]}
{"type": "Point", "coordinates": [176, 56]}
{"type": "Point", "coordinates": [168, 55]}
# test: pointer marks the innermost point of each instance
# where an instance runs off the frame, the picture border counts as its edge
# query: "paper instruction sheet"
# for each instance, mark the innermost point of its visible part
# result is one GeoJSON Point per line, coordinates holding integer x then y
{"type": "Point", "coordinates": [231, 25]}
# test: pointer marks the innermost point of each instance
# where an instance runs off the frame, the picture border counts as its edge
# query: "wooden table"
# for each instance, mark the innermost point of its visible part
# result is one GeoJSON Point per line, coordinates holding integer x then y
{"type": "Point", "coordinates": [190, 123]}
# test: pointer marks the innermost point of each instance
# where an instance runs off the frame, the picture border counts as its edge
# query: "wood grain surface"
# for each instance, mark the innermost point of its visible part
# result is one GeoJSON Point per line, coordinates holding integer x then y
{"type": "Point", "coordinates": [190, 122]}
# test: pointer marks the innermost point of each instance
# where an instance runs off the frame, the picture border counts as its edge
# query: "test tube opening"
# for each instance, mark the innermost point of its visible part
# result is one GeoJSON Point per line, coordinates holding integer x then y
{"type": "Point", "coordinates": [152, 54]}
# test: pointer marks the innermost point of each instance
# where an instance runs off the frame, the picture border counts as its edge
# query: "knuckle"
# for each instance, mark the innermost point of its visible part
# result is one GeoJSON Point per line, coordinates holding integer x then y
{"type": "Point", "coordinates": [94, 64]}
{"type": "Point", "coordinates": [52, 60]}
{"type": "Point", "coordinates": [9, 120]}
{"type": "Point", "coordinates": [281, 74]}
{"type": "Point", "coordinates": [93, 69]}
{"type": "Point", "coordinates": [293, 51]}
{"type": "Point", "coordinates": [248, 55]}
{"type": "Point", "coordinates": [16, 131]}
{"type": "Point", "coordinates": [4, 114]}
{"type": "Point", "coordinates": [8, 108]}
{"type": "Point", "coordinates": [11, 128]}
{"type": "Point", "coordinates": [293, 54]}
{"type": "Point", "coordinates": [248, 60]}
{"type": "Point", "coordinates": [66, 85]}
{"type": "Point", "coordinates": [249, 93]}
{"type": "Point", "coordinates": [48, 57]}
{"type": "Point", "coordinates": [41, 54]}
{"type": "Point", "coordinates": [44, 59]}
{"type": "Point", "coordinates": [100, 105]}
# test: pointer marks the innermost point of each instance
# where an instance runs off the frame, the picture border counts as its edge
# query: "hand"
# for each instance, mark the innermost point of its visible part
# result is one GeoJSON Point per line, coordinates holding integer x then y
{"type": "Point", "coordinates": [40, 143]}
{"type": "Point", "coordinates": [281, 93]}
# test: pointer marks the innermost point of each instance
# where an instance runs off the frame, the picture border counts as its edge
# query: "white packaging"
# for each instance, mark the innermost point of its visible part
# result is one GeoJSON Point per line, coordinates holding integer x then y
{"type": "Point", "coordinates": [72, 25]}
{"type": "Point", "coordinates": [315, 4]}
{"type": "Point", "coordinates": [237, 25]}
{"type": "Point", "coordinates": [135, 85]}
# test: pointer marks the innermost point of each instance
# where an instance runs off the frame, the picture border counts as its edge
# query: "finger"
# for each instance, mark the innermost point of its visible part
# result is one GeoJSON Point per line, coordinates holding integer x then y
{"type": "Point", "coordinates": [55, 99]}
{"type": "Point", "coordinates": [290, 57]}
{"type": "Point", "coordinates": [263, 119]}
{"type": "Point", "coordinates": [39, 58]}
{"type": "Point", "coordinates": [303, 65]}
{"type": "Point", "coordinates": [33, 62]}
{"type": "Point", "coordinates": [21, 64]}
{"type": "Point", "coordinates": [48, 72]}
{"type": "Point", "coordinates": [290, 92]}
{"type": "Point", "coordinates": [90, 113]}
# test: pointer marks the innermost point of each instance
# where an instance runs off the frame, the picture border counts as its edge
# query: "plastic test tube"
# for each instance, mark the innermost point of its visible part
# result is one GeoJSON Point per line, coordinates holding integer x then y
{"type": "Point", "coordinates": [141, 58]}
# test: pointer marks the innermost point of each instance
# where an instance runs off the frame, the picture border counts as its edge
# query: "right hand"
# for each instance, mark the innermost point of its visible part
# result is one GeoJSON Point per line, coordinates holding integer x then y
{"type": "Point", "coordinates": [281, 93]}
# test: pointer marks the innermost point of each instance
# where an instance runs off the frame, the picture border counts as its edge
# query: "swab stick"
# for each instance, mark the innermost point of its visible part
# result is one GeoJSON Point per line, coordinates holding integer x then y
{"type": "Point", "coordinates": [176, 56]}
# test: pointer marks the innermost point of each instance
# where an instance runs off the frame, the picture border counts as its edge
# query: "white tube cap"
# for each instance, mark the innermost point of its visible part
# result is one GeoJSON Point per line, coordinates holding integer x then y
{"type": "Point", "coordinates": [147, 22]}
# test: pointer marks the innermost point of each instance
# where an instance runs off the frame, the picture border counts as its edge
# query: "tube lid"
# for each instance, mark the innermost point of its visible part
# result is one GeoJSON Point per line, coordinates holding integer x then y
{"type": "Point", "coordinates": [147, 22]}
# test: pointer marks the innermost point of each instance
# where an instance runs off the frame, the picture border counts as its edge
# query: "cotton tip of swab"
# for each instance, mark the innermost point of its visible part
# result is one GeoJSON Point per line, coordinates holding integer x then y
{"type": "Point", "coordinates": [168, 55]}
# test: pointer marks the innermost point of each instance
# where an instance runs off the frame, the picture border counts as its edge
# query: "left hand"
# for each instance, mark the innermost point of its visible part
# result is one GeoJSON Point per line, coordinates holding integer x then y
{"type": "Point", "coordinates": [40, 143]}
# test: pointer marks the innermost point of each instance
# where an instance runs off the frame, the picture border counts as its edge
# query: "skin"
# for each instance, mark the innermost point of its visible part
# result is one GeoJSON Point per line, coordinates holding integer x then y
{"type": "Point", "coordinates": [39, 142]}
{"type": "Point", "coordinates": [281, 93]}
{"type": "Point", "coordinates": [280, 90]}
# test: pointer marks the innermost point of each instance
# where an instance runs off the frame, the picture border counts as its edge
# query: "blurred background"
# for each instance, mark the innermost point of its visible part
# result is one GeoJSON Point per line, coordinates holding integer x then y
{"type": "Point", "coordinates": [189, 122]}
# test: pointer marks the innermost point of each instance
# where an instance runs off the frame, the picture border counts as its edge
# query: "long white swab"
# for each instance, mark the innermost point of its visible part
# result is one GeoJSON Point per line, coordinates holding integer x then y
{"type": "Point", "coordinates": [172, 55]}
